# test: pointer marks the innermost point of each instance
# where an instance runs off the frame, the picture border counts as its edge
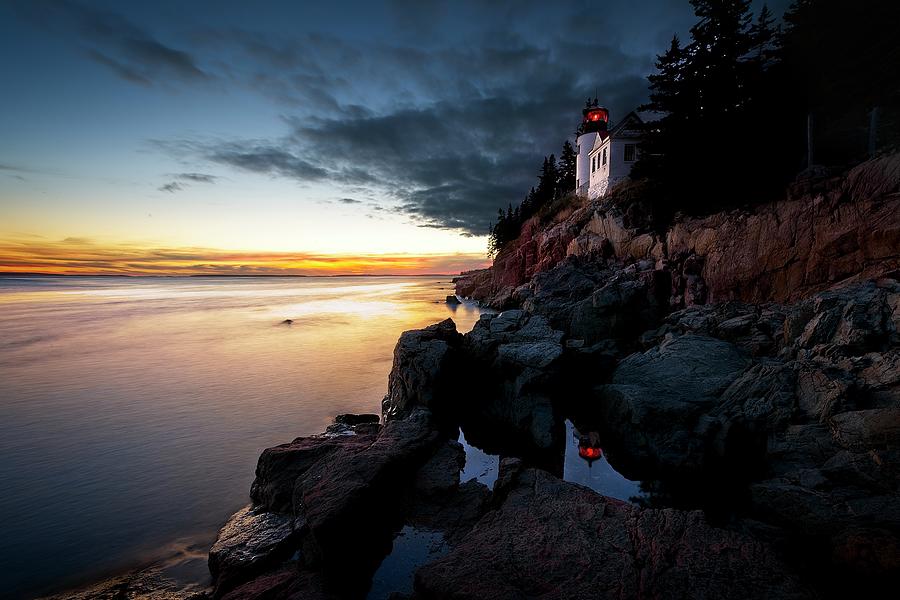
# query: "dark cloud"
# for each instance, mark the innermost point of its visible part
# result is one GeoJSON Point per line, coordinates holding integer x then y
{"type": "Point", "coordinates": [197, 177]}
{"type": "Point", "coordinates": [472, 144]}
{"type": "Point", "coordinates": [271, 159]}
{"type": "Point", "coordinates": [450, 115]}
{"type": "Point", "coordinates": [171, 187]}
{"type": "Point", "coordinates": [349, 201]}
{"type": "Point", "coordinates": [113, 41]}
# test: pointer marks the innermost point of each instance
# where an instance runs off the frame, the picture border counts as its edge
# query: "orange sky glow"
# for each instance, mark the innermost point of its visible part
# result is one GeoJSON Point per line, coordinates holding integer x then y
{"type": "Point", "coordinates": [75, 256]}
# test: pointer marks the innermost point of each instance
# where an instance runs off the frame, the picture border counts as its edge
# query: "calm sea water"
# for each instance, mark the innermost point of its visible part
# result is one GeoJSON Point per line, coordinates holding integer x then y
{"type": "Point", "coordinates": [132, 410]}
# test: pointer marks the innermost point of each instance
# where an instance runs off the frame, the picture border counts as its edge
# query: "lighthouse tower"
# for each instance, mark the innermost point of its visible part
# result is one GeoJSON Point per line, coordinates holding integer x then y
{"type": "Point", "coordinates": [594, 123]}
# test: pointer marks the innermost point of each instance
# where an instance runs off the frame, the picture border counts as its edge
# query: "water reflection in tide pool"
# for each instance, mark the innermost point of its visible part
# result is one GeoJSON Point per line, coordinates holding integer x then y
{"type": "Point", "coordinates": [590, 469]}
{"type": "Point", "coordinates": [412, 548]}
{"type": "Point", "coordinates": [132, 410]}
{"type": "Point", "coordinates": [595, 473]}
{"type": "Point", "coordinates": [479, 464]}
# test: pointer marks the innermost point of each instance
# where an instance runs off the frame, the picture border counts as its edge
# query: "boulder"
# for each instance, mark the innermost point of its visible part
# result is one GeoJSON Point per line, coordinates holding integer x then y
{"type": "Point", "coordinates": [552, 539]}
{"type": "Point", "coordinates": [352, 493]}
{"type": "Point", "coordinates": [279, 467]}
{"type": "Point", "coordinates": [251, 541]}
{"type": "Point", "coordinates": [653, 405]}
{"type": "Point", "coordinates": [360, 419]}
{"type": "Point", "coordinates": [425, 370]}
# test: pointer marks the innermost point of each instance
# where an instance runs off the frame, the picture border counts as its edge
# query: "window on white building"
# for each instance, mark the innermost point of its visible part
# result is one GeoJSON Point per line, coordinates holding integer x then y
{"type": "Point", "coordinates": [630, 152]}
{"type": "Point", "coordinates": [604, 157]}
{"type": "Point", "coordinates": [593, 164]}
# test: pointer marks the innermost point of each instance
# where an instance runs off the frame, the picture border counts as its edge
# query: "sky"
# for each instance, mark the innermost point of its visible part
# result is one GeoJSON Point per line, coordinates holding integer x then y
{"type": "Point", "coordinates": [292, 137]}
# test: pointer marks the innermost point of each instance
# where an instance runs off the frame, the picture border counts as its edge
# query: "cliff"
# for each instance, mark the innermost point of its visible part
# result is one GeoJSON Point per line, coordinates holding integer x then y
{"type": "Point", "coordinates": [825, 231]}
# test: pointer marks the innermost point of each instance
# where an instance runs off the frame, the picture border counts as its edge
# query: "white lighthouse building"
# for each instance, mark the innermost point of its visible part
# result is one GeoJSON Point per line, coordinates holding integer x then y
{"type": "Point", "coordinates": [605, 155]}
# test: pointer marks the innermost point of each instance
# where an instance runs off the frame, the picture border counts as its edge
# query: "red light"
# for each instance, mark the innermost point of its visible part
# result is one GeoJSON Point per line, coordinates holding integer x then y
{"type": "Point", "coordinates": [589, 452]}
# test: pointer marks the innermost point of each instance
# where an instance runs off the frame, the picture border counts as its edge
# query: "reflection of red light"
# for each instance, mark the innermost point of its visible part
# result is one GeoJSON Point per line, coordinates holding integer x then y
{"type": "Point", "coordinates": [589, 452]}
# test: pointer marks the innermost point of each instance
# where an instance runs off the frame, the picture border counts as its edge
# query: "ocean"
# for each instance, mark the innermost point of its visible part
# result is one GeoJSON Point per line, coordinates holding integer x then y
{"type": "Point", "coordinates": [132, 410]}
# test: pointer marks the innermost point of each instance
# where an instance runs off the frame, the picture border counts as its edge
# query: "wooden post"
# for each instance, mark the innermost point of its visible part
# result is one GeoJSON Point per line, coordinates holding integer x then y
{"type": "Point", "coordinates": [873, 132]}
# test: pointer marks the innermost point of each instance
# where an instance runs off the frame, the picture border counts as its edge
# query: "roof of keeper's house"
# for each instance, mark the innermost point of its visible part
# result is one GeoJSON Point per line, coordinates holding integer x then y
{"type": "Point", "coordinates": [630, 126]}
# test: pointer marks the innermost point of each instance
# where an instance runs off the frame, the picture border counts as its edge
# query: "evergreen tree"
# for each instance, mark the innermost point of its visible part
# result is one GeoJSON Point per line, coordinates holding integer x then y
{"type": "Point", "coordinates": [719, 42]}
{"type": "Point", "coordinates": [547, 183]}
{"type": "Point", "coordinates": [566, 169]}
{"type": "Point", "coordinates": [670, 98]}
{"type": "Point", "coordinates": [763, 34]}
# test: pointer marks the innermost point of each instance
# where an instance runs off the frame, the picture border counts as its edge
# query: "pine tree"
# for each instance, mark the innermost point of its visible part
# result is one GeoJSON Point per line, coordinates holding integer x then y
{"type": "Point", "coordinates": [720, 39]}
{"type": "Point", "coordinates": [763, 34]}
{"type": "Point", "coordinates": [670, 96]}
{"type": "Point", "coordinates": [547, 183]}
{"type": "Point", "coordinates": [566, 168]}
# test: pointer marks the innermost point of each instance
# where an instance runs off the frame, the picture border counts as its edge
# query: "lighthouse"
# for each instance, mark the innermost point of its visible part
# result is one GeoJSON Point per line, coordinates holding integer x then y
{"type": "Point", "coordinates": [605, 154]}
{"type": "Point", "coordinates": [593, 129]}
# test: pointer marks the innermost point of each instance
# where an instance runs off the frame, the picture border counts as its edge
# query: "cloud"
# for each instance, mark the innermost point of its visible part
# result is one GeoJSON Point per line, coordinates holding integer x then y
{"type": "Point", "coordinates": [473, 143]}
{"type": "Point", "coordinates": [85, 257]}
{"type": "Point", "coordinates": [349, 201]}
{"type": "Point", "coordinates": [171, 187]}
{"type": "Point", "coordinates": [129, 51]}
{"type": "Point", "coordinates": [197, 177]}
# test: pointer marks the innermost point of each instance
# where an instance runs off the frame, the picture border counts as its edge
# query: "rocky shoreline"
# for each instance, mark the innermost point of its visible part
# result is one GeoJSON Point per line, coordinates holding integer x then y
{"type": "Point", "coordinates": [745, 367]}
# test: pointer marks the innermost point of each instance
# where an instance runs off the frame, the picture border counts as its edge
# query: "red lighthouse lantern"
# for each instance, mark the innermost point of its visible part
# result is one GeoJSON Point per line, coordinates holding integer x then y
{"type": "Point", "coordinates": [594, 118]}
{"type": "Point", "coordinates": [595, 115]}
{"type": "Point", "coordinates": [589, 447]}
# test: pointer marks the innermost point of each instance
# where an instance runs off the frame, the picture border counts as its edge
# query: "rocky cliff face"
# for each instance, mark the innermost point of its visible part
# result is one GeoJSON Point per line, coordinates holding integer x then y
{"type": "Point", "coordinates": [825, 232]}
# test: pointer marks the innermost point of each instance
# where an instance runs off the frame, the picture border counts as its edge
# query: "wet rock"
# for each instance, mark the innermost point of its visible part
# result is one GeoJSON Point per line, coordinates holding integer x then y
{"type": "Point", "coordinates": [360, 419]}
{"type": "Point", "coordinates": [353, 492]}
{"type": "Point", "coordinates": [551, 539]}
{"type": "Point", "coordinates": [518, 357]}
{"type": "Point", "coordinates": [452, 300]}
{"type": "Point", "coordinates": [248, 543]}
{"type": "Point", "coordinates": [474, 284]}
{"type": "Point", "coordinates": [655, 400]}
{"type": "Point", "coordinates": [425, 370]}
{"type": "Point", "coordinates": [279, 467]}
{"type": "Point", "coordinates": [150, 583]}
{"type": "Point", "coordinates": [440, 475]}
{"type": "Point", "coordinates": [288, 583]}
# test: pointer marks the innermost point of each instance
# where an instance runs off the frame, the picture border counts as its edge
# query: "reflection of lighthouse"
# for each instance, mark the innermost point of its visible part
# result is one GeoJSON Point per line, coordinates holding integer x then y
{"type": "Point", "coordinates": [589, 446]}
{"type": "Point", "coordinates": [594, 122]}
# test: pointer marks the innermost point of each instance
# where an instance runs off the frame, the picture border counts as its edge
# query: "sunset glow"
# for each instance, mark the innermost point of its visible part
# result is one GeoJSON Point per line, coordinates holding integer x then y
{"type": "Point", "coordinates": [82, 257]}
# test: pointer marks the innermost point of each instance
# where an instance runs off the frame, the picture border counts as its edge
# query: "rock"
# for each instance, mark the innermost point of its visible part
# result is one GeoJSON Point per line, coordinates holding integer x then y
{"type": "Point", "coordinates": [248, 543]}
{"type": "Point", "coordinates": [474, 284]}
{"type": "Point", "coordinates": [151, 583]}
{"type": "Point", "coordinates": [352, 419]}
{"type": "Point", "coordinates": [424, 372]}
{"type": "Point", "coordinates": [283, 583]}
{"type": "Point", "coordinates": [453, 300]}
{"type": "Point", "coordinates": [656, 398]}
{"type": "Point", "coordinates": [551, 539]}
{"type": "Point", "coordinates": [352, 493]}
{"type": "Point", "coordinates": [440, 475]}
{"type": "Point", "coordinates": [278, 468]}
{"type": "Point", "coordinates": [866, 429]}
{"type": "Point", "coordinates": [519, 356]}
{"type": "Point", "coordinates": [287, 322]}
